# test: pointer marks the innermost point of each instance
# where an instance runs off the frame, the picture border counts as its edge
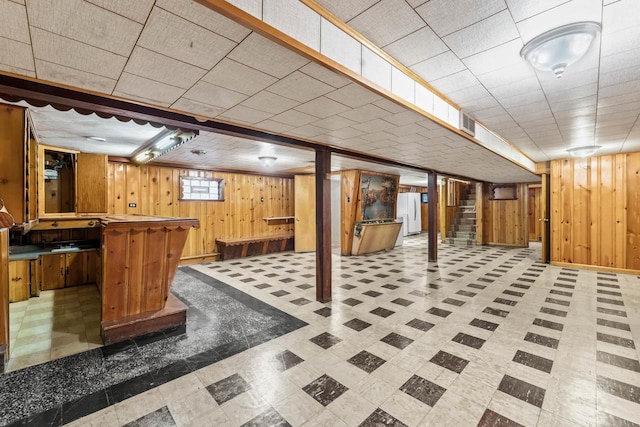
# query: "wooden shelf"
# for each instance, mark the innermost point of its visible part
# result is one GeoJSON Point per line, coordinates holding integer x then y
{"type": "Point", "coordinates": [284, 219]}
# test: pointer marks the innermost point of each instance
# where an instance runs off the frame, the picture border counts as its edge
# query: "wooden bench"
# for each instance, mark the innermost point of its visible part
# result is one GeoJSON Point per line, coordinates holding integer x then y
{"type": "Point", "coordinates": [251, 246]}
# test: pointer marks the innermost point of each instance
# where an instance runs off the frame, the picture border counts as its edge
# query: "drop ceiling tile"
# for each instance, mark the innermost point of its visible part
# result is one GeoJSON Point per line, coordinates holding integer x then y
{"type": "Point", "coordinates": [573, 93]}
{"type": "Point", "coordinates": [364, 113]}
{"type": "Point", "coordinates": [455, 82]}
{"type": "Point", "coordinates": [272, 126]}
{"type": "Point", "coordinates": [499, 57]}
{"type": "Point", "coordinates": [387, 21]}
{"type": "Point", "coordinates": [252, 7]}
{"type": "Point", "coordinates": [270, 102]}
{"type": "Point", "coordinates": [12, 69]}
{"type": "Point", "coordinates": [69, 76]}
{"type": "Point", "coordinates": [294, 118]}
{"type": "Point", "coordinates": [566, 13]}
{"type": "Point", "coordinates": [347, 9]}
{"type": "Point", "coordinates": [620, 76]}
{"type": "Point", "coordinates": [405, 130]}
{"type": "Point", "coordinates": [523, 9]}
{"type": "Point", "coordinates": [620, 89]}
{"type": "Point", "coordinates": [620, 15]}
{"type": "Point", "coordinates": [214, 95]}
{"type": "Point", "coordinates": [486, 34]}
{"type": "Point", "coordinates": [446, 17]}
{"type": "Point", "coordinates": [177, 38]}
{"type": "Point", "coordinates": [16, 55]}
{"type": "Point", "coordinates": [618, 100]}
{"type": "Point", "coordinates": [78, 20]}
{"type": "Point", "coordinates": [307, 131]}
{"type": "Point", "coordinates": [142, 88]}
{"type": "Point", "coordinates": [138, 10]}
{"type": "Point", "coordinates": [376, 136]}
{"type": "Point", "coordinates": [620, 41]}
{"type": "Point", "coordinates": [507, 75]}
{"type": "Point", "coordinates": [571, 79]}
{"type": "Point", "coordinates": [264, 55]}
{"type": "Point", "coordinates": [535, 96]}
{"type": "Point", "coordinates": [243, 114]}
{"type": "Point", "coordinates": [13, 22]}
{"type": "Point", "coordinates": [155, 66]}
{"type": "Point", "coordinates": [416, 47]}
{"type": "Point", "coordinates": [376, 69]}
{"type": "Point", "coordinates": [322, 107]}
{"type": "Point", "coordinates": [404, 118]}
{"type": "Point", "coordinates": [238, 77]}
{"type": "Point", "coordinates": [300, 87]}
{"type": "Point", "coordinates": [295, 19]}
{"type": "Point", "coordinates": [325, 75]}
{"type": "Point", "coordinates": [205, 17]}
{"type": "Point", "coordinates": [196, 107]}
{"type": "Point", "coordinates": [353, 96]}
{"type": "Point", "coordinates": [346, 133]}
{"type": "Point", "coordinates": [340, 46]}
{"type": "Point", "coordinates": [376, 127]}
{"type": "Point", "coordinates": [439, 66]}
{"type": "Point", "coordinates": [337, 122]}
{"type": "Point", "coordinates": [474, 104]}
{"type": "Point", "coordinates": [70, 53]}
{"type": "Point", "coordinates": [619, 61]}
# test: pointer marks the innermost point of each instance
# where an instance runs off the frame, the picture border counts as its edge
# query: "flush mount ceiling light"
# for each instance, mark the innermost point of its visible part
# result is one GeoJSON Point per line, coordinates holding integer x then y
{"type": "Point", "coordinates": [557, 49]}
{"type": "Point", "coordinates": [267, 161]}
{"type": "Point", "coordinates": [585, 151]}
{"type": "Point", "coordinates": [96, 138]}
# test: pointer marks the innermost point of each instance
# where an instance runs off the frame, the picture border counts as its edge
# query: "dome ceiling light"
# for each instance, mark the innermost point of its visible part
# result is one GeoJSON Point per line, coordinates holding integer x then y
{"type": "Point", "coordinates": [585, 151]}
{"type": "Point", "coordinates": [557, 49]}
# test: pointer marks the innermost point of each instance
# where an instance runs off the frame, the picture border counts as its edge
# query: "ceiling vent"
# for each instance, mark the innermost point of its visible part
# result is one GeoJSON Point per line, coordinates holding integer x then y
{"type": "Point", "coordinates": [467, 124]}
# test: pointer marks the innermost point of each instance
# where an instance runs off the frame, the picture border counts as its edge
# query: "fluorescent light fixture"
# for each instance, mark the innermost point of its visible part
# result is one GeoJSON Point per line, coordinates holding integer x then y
{"type": "Point", "coordinates": [557, 49]}
{"type": "Point", "coordinates": [142, 156]}
{"type": "Point", "coordinates": [96, 138]}
{"type": "Point", "coordinates": [166, 142]}
{"type": "Point", "coordinates": [585, 151]}
{"type": "Point", "coordinates": [267, 161]}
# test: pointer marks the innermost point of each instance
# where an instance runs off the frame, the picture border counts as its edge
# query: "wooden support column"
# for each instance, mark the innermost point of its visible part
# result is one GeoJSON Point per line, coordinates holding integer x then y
{"type": "Point", "coordinates": [433, 217]}
{"type": "Point", "coordinates": [323, 225]}
{"type": "Point", "coordinates": [444, 224]}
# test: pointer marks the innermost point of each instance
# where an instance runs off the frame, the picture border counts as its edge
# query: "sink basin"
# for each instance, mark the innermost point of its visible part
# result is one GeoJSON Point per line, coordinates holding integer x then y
{"type": "Point", "coordinates": [66, 249]}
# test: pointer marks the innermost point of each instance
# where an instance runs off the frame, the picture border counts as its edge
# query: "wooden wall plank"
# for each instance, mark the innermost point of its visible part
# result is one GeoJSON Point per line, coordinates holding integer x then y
{"type": "Point", "coordinates": [155, 191]}
{"type": "Point", "coordinates": [633, 213]}
{"type": "Point", "coordinates": [504, 222]}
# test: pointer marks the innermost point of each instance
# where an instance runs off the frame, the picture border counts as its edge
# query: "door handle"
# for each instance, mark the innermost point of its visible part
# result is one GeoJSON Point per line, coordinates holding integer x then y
{"type": "Point", "coordinates": [16, 279]}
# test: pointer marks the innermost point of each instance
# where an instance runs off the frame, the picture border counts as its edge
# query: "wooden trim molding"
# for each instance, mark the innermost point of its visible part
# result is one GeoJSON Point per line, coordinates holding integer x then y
{"type": "Point", "coordinates": [596, 267]}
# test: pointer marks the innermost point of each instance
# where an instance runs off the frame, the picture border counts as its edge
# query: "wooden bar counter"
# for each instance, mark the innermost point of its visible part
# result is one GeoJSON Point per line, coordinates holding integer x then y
{"type": "Point", "coordinates": [140, 256]}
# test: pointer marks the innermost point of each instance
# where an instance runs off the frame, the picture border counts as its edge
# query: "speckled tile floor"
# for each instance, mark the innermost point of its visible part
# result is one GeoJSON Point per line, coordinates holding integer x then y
{"type": "Point", "coordinates": [488, 336]}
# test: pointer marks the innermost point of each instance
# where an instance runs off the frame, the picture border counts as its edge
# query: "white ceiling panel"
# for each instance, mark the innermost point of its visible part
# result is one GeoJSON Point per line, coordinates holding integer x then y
{"type": "Point", "coordinates": [353, 96]}
{"type": "Point", "coordinates": [491, 32]}
{"type": "Point", "coordinates": [322, 107]}
{"type": "Point", "coordinates": [16, 56]}
{"type": "Point", "coordinates": [214, 95]}
{"type": "Point", "coordinates": [154, 66]}
{"type": "Point", "coordinates": [439, 66]}
{"type": "Point", "coordinates": [504, 55]}
{"type": "Point", "coordinates": [300, 87]}
{"type": "Point", "coordinates": [523, 9]}
{"type": "Point", "coordinates": [73, 54]}
{"type": "Point", "coordinates": [347, 9]}
{"type": "Point", "coordinates": [148, 90]}
{"type": "Point", "coordinates": [172, 36]}
{"type": "Point", "coordinates": [416, 47]}
{"type": "Point", "coordinates": [13, 22]}
{"type": "Point", "coordinates": [205, 18]}
{"type": "Point", "coordinates": [73, 77]}
{"type": "Point", "coordinates": [566, 13]}
{"type": "Point", "coordinates": [245, 115]}
{"type": "Point", "coordinates": [446, 17]}
{"type": "Point", "coordinates": [137, 10]}
{"type": "Point", "coordinates": [324, 75]}
{"type": "Point", "coordinates": [264, 55]}
{"type": "Point", "coordinates": [86, 22]}
{"type": "Point", "coordinates": [294, 118]}
{"type": "Point", "coordinates": [238, 77]}
{"type": "Point", "coordinates": [270, 102]}
{"type": "Point", "coordinates": [620, 41]}
{"type": "Point", "coordinates": [455, 82]}
{"type": "Point", "coordinates": [387, 21]}
{"type": "Point", "coordinates": [196, 107]}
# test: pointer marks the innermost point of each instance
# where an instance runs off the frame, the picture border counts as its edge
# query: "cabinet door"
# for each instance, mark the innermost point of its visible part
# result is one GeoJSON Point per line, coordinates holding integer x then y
{"type": "Point", "coordinates": [90, 266]}
{"type": "Point", "coordinates": [19, 287]}
{"type": "Point", "coordinates": [12, 161]}
{"type": "Point", "coordinates": [91, 194]}
{"type": "Point", "coordinates": [52, 272]}
{"type": "Point", "coordinates": [74, 269]}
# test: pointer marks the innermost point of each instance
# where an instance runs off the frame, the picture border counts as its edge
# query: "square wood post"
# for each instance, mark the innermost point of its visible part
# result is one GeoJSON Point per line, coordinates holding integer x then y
{"type": "Point", "coordinates": [323, 225]}
{"type": "Point", "coordinates": [433, 217]}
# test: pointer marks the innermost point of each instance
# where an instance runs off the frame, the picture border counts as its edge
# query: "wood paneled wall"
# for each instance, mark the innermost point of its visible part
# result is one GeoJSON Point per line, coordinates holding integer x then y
{"type": "Point", "coordinates": [505, 222]}
{"type": "Point", "coordinates": [595, 219]}
{"type": "Point", "coordinates": [536, 212]}
{"type": "Point", "coordinates": [155, 191]}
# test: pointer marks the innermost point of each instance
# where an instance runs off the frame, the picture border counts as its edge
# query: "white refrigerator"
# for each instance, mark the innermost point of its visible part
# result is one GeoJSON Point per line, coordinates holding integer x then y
{"type": "Point", "coordinates": [409, 210]}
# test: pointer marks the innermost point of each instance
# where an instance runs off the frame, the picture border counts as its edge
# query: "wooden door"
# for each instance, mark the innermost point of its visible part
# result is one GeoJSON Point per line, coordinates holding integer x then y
{"type": "Point", "coordinates": [74, 269]}
{"type": "Point", "coordinates": [52, 272]}
{"type": "Point", "coordinates": [305, 213]}
{"type": "Point", "coordinates": [535, 213]}
{"type": "Point", "coordinates": [545, 209]}
{"type": "Point", "coordinates": [4, 290]}
{"type": "Point", "coordinates": [19, 287]}
{"type": "Point", "coordinates": [91, 194]}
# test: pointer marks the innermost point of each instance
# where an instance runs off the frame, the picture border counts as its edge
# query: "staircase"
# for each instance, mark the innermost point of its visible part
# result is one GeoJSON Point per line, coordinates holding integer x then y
{"type": "Point", "coordinates": [462, 231]}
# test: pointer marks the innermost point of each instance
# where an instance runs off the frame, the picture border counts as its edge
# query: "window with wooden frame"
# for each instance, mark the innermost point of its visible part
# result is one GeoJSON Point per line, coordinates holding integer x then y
{"type": "Point", "coordinates": [202, 189]}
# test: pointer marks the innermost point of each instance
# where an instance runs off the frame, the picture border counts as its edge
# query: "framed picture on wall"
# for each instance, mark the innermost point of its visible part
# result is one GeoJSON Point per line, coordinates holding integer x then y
{"type": "Point", "coordinates": [378, 196]}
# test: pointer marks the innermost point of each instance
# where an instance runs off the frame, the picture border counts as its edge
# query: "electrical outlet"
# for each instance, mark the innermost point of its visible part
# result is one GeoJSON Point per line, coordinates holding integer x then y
{"type": "Point", "coordinates": [132, 205]}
